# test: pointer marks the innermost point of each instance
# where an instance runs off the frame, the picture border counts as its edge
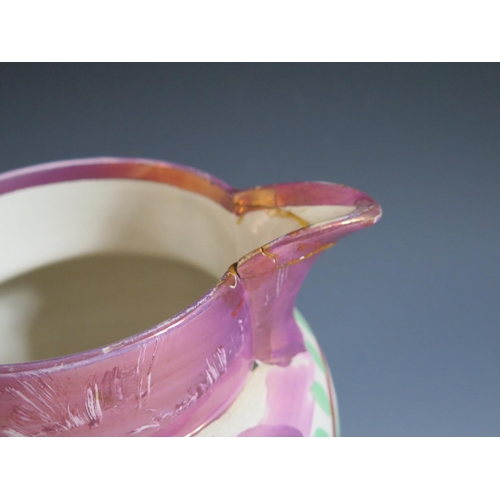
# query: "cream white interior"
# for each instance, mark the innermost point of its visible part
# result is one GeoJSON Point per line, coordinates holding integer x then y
{"type": "Point", "coordinates": [66, 233]}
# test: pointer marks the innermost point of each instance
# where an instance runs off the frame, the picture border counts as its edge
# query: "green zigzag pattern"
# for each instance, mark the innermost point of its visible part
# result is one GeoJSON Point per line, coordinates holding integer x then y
{"type": "Point", "coordinates": [319, 394]}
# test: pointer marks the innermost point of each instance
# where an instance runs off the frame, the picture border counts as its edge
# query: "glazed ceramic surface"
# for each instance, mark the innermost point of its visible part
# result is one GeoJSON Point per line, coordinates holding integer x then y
{"type": "Point", "coordinates": [238, 360]}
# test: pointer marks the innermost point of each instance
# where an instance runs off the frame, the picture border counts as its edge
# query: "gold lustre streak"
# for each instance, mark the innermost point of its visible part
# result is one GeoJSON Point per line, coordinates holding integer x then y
{"type": "Point", "coordinates": [308, 255]}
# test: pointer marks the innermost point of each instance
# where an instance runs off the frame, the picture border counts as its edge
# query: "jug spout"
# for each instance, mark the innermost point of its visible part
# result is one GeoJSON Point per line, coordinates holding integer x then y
{"type": "Point", "coordinates": [293, 224]}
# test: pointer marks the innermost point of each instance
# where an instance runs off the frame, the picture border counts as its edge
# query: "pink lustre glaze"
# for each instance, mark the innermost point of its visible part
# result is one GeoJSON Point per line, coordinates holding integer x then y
{"type": "Point", "coordinates": [177, 377]}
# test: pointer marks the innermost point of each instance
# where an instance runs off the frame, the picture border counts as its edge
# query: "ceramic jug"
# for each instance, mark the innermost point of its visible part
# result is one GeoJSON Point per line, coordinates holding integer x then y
{"type": "Point", "coordinates": [227, 354]}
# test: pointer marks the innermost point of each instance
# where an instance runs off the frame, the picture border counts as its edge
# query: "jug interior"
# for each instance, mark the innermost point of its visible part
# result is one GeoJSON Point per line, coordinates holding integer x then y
{"type": "Point", "coordinates": [87, 302]}
{"type": "Point", "coordinates": [89, 262]}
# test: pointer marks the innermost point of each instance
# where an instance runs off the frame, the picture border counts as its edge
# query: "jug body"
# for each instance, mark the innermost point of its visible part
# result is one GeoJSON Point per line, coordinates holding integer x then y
{"type": "Point", "coordinates": [235, 358]}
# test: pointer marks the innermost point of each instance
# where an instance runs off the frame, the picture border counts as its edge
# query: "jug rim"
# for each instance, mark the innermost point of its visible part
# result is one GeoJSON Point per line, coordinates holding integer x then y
{"type": "Point", "coordinates": [237, 201]}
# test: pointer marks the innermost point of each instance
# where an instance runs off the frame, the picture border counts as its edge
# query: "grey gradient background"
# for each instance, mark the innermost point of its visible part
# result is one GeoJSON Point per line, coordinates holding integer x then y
{"type": "Point", "coordinates": [407, 311]}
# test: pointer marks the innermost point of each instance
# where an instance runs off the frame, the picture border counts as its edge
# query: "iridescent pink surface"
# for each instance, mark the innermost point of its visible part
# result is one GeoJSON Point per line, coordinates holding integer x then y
{"type": "Point", "coordinates": [179, 376]}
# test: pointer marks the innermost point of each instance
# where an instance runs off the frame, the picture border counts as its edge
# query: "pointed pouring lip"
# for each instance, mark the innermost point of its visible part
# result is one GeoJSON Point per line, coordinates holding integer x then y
{"type": "Point", "coordinates": [291, 225]}
{"type": "Point", "coordinates": [323, 213]}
